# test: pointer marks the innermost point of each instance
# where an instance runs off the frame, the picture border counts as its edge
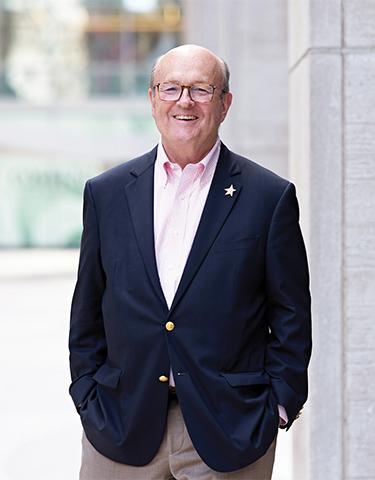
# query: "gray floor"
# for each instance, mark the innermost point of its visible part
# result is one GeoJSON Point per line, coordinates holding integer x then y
{"type": "Point", "coordinates": [40, 431]}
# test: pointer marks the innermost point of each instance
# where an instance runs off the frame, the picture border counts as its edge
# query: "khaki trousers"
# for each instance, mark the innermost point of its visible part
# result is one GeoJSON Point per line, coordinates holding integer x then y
{"type": "Point", "coordinates": [176, 459]}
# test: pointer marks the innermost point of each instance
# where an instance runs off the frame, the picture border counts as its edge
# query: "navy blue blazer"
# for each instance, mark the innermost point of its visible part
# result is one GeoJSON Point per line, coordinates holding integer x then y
{"type": "Point", "coordinates": [242, 337]}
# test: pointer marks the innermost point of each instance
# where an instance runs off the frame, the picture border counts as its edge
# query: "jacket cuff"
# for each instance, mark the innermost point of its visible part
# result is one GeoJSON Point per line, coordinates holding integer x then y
{"type": "Point", "coordinates": [288, 398]}
{"type": "Point", "coordinates": [80, 389]}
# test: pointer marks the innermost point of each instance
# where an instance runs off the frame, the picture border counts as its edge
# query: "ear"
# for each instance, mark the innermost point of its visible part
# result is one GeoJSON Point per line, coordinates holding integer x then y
{"type": "Point", "coordinates": [226, 103]}
{"type": "Point", "coordinates": [151, 97]}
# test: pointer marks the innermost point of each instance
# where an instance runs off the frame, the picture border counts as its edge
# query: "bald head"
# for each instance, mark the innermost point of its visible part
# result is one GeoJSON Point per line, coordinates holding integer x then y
{"type": "Point", "coordinates": [189, 123]}
{"type": "Point", "coordinates": [187, 53]}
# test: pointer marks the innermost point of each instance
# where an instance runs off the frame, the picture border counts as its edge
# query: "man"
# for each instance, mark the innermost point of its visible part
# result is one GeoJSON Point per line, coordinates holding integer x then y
{"type": "Point", "coordinates": [190, 325]}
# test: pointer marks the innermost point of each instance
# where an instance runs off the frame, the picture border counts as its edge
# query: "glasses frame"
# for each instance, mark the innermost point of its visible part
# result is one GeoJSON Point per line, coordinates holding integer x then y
{"type": "Point", "coordinates": [157, 86]}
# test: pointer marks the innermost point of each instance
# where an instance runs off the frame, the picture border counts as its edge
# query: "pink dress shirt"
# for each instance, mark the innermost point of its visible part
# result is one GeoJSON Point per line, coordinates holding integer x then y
{"type": "Point", "coordinates": [179, 198]}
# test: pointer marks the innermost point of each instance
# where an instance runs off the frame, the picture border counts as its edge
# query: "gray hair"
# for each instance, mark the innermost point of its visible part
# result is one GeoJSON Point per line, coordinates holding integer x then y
{"type": "Point", "coordinates": [225, 73]}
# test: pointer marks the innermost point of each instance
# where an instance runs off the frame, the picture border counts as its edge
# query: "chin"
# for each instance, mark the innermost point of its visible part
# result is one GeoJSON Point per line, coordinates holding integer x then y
{"type": "Point", "coordinates": [183, 137]}
{"type": "Point", "coordinates": [186, 134]}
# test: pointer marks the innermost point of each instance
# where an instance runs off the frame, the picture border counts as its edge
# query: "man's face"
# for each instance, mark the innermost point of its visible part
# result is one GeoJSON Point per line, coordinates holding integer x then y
{"type": "Point", "coordinates": [185, 122]}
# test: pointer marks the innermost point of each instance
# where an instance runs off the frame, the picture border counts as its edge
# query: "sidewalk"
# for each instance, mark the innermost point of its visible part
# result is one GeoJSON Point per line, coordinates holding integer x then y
{"type": "Point", "coordinates": [40, 429]}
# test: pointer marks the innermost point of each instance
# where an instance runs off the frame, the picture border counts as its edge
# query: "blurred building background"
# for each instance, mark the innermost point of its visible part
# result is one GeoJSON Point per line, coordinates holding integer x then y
{"type": "Point", "coordinates": [73, 102]}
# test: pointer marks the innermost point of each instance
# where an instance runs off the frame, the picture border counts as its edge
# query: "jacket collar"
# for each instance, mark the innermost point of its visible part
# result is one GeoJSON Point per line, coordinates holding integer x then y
{"type": "Point", "coordinates": [140, 195]}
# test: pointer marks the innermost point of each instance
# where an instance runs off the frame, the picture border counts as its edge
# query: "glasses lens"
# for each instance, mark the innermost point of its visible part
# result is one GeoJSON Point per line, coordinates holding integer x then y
{"type": "Point", "coordinates": [201, 93]}
{"type": "Point", "coordinates": [169, 91]}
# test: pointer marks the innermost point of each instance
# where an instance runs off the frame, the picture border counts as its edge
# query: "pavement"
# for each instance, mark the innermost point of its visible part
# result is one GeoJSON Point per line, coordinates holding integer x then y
{"type": "Point", "coordinates": [40, 430]}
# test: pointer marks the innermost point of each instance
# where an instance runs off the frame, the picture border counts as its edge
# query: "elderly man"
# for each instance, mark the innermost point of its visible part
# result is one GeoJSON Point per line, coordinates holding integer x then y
{"type": "Point", "coordinates": [190, 327]}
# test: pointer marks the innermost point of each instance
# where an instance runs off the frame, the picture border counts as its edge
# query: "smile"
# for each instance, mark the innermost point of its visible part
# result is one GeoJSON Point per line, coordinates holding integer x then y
{"type": "Point", "coordinates": [186, 118]}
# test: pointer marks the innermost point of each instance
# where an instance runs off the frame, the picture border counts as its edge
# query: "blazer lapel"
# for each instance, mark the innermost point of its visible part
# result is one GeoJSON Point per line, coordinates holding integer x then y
{"type": "Point", "coordinates": [140, 197]}
{"type": "Point", "coordinates": [217, 208]}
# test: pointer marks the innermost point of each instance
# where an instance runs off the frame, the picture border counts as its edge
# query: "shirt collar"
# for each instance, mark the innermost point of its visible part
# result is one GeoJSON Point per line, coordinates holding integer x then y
{"type": "Point", "coordinates": [209, 162]}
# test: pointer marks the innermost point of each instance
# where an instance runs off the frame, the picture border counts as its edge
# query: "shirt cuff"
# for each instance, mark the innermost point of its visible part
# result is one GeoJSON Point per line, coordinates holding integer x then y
{"type": "Point", "coordinates": [283, 417]}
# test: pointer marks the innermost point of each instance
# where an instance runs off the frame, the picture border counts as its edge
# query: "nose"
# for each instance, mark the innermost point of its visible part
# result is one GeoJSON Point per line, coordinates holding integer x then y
{"type": "Point", "coordinates": [185, 99]}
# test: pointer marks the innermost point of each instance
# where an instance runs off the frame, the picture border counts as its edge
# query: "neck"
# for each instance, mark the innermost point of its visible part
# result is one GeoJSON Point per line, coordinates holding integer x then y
{"type": "Point", "coordinates": [186, 153]}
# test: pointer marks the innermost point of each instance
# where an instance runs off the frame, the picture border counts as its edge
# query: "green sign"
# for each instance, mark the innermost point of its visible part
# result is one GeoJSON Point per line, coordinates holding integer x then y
{"type": "Point", "coordinates": [41, 201]}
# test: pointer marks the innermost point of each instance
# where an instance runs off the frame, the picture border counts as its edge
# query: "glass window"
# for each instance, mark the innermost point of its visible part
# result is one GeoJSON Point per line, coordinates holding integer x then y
{"type": "Point", "coordinates": [55, 50]}
{"type": "Point", "coordinates": [73, 102]}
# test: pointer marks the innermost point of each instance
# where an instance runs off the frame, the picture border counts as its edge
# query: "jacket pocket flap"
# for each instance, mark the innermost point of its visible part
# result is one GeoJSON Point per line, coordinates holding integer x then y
{"type": "Point", "coordinates": [108, 376]}
{"type": "Point", "coordinates": [240, 379]}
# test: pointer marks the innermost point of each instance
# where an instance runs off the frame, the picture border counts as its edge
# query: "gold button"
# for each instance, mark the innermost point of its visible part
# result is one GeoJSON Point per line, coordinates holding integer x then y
{"type": "Point", "coordinates": [163, 378]}
{"type": "Point", "coordinates": [169, 326]}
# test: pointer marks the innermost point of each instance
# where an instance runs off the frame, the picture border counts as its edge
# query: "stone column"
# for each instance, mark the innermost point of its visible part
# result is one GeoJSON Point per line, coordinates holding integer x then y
{"type": "Point", "coordinates": [331, 160]}
{"type": "Point", "coordinates": [1, 36]}
{"type": "Point", "coordinates": [252, 37]}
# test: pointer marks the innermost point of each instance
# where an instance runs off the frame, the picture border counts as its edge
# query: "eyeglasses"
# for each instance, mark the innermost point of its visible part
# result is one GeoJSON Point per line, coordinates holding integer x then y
{"type": "Point", "coordinates": [172, 92]}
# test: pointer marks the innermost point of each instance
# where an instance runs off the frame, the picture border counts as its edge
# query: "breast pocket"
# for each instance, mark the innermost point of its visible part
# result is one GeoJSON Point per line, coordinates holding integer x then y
{"type": "Point", "coordinates": [236, 244]}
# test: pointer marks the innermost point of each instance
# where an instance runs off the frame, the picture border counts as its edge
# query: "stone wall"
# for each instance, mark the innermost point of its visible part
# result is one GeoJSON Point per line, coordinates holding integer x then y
{"type": "Point", "coordinates": [332, 160]}
{"type": "Point", "coordinates": [252, 37]}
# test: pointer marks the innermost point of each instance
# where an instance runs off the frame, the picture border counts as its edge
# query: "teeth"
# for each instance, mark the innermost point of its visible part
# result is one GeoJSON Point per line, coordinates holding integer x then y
{"type": "Point", "coordinates": [185, 117]}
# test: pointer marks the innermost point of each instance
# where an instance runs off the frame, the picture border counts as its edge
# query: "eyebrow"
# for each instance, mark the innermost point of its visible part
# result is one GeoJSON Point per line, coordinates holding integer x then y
{"type": "Point", "coordinates": [180, 83]}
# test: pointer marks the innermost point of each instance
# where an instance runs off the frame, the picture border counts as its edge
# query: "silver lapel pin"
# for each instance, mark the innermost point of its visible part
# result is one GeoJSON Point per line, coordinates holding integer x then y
{"type": "Point", "coordinates": [230, 190]}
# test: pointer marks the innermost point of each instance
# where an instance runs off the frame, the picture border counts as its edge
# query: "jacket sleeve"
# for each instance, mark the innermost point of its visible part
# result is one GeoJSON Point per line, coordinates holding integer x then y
{"type": "Point", "coordinates": [289, 318]}
{"type": "Point", "coordinates": [87, 342]}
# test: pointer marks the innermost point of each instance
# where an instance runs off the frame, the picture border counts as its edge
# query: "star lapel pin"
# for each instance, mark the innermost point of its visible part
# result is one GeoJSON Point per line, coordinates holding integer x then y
{"type": "Point", "coordinates": [230, 190]}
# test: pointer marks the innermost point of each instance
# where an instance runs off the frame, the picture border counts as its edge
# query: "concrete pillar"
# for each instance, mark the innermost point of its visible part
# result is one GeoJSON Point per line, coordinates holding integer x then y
{"type": "Point", "coordinates": [331, 159]}
{"type": "Point", "coordinates": [1, 37]}
{"type": "Point", "coordinates": [252, 37]}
